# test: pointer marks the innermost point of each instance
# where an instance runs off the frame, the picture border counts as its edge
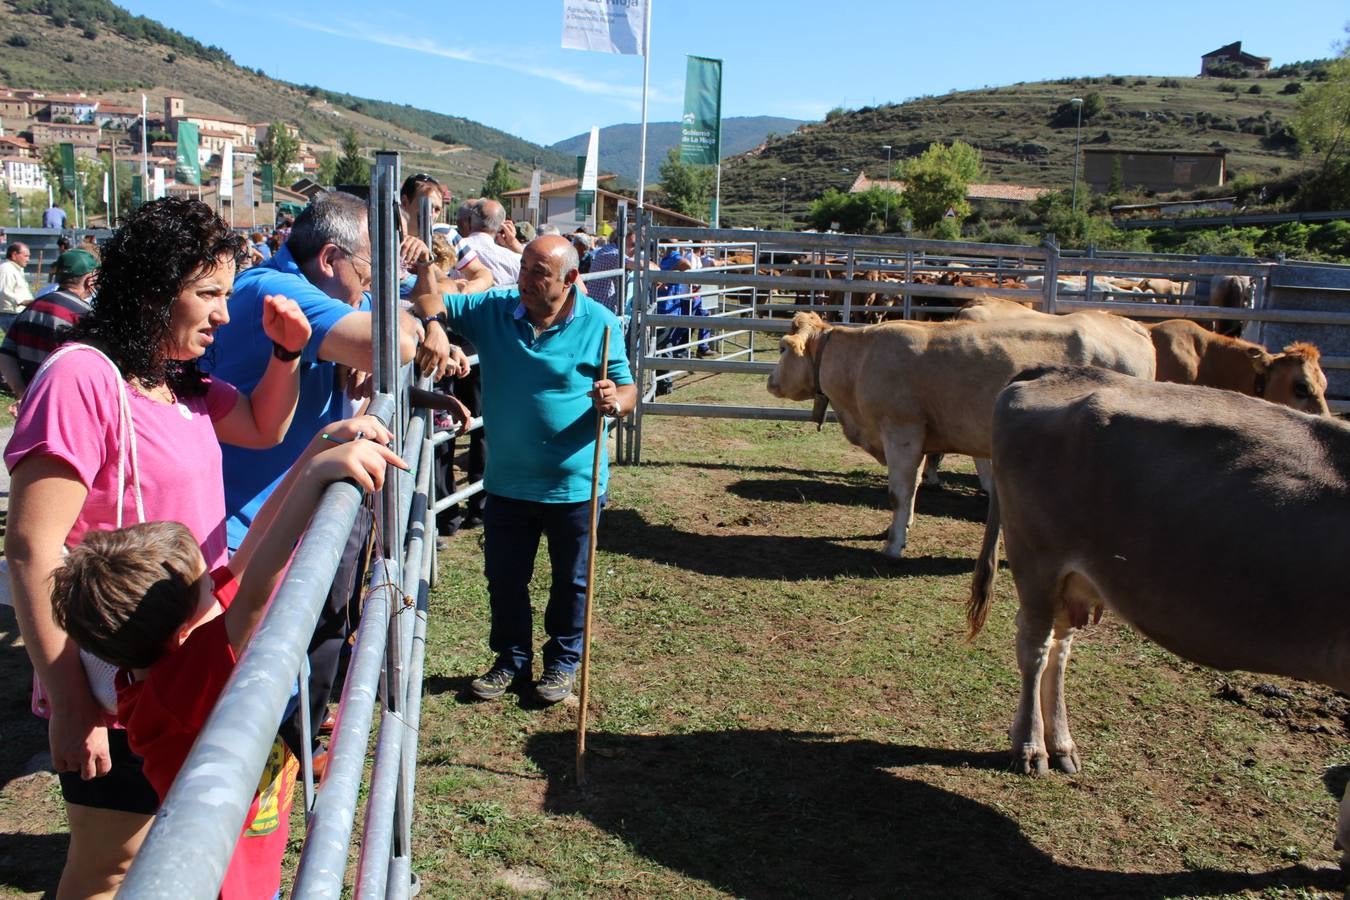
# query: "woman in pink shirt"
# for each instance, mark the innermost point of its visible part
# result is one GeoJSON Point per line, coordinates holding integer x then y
{"type": "Point", "coordinates": [162, 287]}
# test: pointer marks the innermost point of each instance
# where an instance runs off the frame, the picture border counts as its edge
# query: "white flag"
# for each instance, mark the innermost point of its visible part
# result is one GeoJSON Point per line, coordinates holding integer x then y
{"type": "Point", "coordinates": [248, 188]}
{"type": "Point", "coordinates": [105, 188]}
{"type": "Point", "coordinates": [591, 173]}
{"type": "Point", "coordinates": [227, 171]}
{"type": "Point", "coordinates": [604, 26]}
{"type": "Point", "coordinates": [534, 190]}
{"type": "Point", "coordinates": [159, 182]}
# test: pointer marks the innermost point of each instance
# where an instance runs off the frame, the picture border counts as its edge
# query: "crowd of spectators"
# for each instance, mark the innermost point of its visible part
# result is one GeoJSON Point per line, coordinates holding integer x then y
{"type": "Point", "coordinates": [169, 389]}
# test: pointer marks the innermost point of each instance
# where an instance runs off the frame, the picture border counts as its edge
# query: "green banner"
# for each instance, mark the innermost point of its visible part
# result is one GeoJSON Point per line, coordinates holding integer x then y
{"type": "Point", "coordinates": [584, 199]}
{"type": "Point", "coordinates": [268, 183]}
{"type": "Point", "coordinates": [701, 131]}
{"type": "Point", "coordinates": [137, 191]}
{"type": "Point", "coordinates": [189, 168]}
{"type": "Point", "coordinates": [68, 179]}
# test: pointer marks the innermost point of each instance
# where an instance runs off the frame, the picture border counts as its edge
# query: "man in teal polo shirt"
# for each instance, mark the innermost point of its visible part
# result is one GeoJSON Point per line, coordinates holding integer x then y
{"type": "Point", "coordinates": [539, 345]}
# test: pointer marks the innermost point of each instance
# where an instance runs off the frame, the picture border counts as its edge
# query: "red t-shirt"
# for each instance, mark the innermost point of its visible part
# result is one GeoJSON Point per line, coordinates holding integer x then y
{"type": "Point", "coordinates": [163, 715]}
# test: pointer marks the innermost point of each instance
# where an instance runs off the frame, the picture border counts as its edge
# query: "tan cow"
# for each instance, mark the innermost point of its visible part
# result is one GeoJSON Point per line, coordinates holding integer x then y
{"type": "Point", "coordinates": [1191, 354]}
{"type": "Point", "coordinates": [1210, 521]}
{"type": "Point", "coordinates": [903, 389]}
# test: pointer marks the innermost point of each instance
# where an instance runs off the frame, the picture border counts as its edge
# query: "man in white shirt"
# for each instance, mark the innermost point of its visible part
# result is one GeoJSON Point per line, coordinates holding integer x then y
{"type": "Point", "coordinates": [15, 292]}
{"type": "Point", "coordinates": [486, 219]}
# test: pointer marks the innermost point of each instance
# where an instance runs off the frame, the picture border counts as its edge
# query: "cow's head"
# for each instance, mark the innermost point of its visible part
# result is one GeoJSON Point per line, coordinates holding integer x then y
{"type": "Point", "coordinates": [1293, 378]}
{"type": "Point", "coordinates": [794, 378]}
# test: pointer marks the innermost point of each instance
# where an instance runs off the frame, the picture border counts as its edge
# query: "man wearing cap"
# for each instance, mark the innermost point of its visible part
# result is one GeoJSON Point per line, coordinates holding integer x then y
{"type": "Point", "coordinates": [44, 323]}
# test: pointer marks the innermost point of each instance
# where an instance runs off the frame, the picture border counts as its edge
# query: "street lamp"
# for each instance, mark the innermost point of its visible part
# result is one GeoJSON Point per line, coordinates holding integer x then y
{"type": "Point", "coordinates": [887, 148]}
{"type": "Point", "coordinates": [783, 224]}
{"type": "Point", "coordinates": [1077, 103]}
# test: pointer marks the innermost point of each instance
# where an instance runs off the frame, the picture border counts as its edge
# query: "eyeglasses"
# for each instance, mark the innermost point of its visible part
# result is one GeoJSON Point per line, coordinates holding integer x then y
{"type": "Point", "coordinates": [352, 254]}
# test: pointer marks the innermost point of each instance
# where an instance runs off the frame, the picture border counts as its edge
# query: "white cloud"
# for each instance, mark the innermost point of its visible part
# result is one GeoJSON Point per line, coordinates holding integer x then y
{"type": "Point", "coordinates": [629, 95]}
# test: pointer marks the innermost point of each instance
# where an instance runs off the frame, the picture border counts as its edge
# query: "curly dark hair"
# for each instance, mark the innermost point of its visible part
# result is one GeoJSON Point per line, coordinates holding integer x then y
{"type": "Point", "coordinates": [146, 263]}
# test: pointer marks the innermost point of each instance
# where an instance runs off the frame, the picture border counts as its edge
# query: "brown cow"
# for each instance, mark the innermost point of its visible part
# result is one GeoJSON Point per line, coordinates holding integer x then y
{"type": "Point", "coordinates": [1190, 354]}
{"type": "Point", "coordinates": [904, 389]}
{"type": "Point", "coordinates": [1210, 521]}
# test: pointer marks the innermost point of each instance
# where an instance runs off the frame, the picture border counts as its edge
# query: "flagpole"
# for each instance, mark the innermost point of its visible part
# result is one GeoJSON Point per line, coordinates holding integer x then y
{"type": "Point", "coordinates": [646, 69]}
{"type": "Point", "coordinates": [112, 149]}
{"type": "Point", "coordinates": [145, 162]}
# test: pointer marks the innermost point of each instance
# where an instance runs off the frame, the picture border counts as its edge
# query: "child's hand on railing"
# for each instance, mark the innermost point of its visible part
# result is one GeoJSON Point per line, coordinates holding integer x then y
{"type": "Point", "coordinates": [361, 461]}
{"type": "Point", "coordinates": [367, 427]}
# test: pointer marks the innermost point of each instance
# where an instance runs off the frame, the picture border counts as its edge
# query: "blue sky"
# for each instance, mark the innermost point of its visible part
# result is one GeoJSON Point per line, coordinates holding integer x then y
{"type": "Point", "coordinates": [500, 62]}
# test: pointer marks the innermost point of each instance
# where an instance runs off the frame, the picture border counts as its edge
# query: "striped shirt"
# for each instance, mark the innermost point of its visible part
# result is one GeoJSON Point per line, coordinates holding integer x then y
{"type": "Point", "coordinates": [43, 326]}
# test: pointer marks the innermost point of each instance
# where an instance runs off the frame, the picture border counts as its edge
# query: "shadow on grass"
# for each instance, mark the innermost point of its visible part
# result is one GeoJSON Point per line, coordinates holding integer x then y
{"type": "Point", "coordinates": [30, 863]}
{"type": "Point", "coordinates": [782, 557]}
{"type": "Point", "coordinates": [777, 813]}
{"type": "Point", "coordinates": [954, 500]}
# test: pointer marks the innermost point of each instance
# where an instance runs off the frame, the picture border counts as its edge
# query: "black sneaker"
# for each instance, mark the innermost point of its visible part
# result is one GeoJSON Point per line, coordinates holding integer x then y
{"type": "Point", "coordinates": [493, 684]}
{"type": "Point", "coordinates": [555, 686]}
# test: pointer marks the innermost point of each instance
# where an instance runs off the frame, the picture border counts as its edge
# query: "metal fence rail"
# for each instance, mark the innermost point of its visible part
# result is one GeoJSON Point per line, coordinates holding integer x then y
{"type": "Point", "coordinates": [830, 273]}
{"type": "Point", "coordinates": [198, 825]}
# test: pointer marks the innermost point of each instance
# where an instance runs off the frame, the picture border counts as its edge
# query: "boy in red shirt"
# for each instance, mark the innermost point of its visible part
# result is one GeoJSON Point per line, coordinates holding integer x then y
{"type": "Point", "coordinates": [142, 599]}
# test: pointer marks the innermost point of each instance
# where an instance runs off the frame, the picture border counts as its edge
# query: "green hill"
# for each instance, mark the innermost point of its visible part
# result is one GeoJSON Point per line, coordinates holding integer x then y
{"type": "Point", "coordinates": [96, 46]}
{"type": "Point", "coordinates": [1023, 138]}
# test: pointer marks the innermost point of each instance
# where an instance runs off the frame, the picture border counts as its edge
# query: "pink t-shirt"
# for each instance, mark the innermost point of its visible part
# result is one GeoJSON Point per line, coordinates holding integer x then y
{"type": "Point", "coordinates": [71, 412]}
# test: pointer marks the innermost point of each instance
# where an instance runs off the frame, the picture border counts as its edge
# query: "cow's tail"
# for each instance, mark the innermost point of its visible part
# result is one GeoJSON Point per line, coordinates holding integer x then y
{"type": "Point", "coordinates": [986, 567]}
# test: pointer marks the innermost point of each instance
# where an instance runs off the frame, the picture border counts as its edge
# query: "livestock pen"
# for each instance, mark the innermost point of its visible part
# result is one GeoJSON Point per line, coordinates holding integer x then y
{"type": "Point", "coordinates": [779, 712]}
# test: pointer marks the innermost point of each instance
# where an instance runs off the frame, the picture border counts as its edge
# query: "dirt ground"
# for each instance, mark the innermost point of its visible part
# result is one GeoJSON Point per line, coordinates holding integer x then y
{"type": "Point", "coordinates": [778, 711]}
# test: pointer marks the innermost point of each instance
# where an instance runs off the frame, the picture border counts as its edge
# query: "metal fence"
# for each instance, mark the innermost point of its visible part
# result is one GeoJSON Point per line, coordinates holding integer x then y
{"type": "Point", "coordinates": [199, 822]}
{"type": "Point", "coordinates": [854, 279]}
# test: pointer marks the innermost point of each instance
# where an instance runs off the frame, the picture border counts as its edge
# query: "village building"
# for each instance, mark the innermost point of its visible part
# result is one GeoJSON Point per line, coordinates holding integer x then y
{"type": "Point", "coordinates": [22, 173]}
{"type": "Point", "coordinates": [1153, 170]}
{"type": "Point", "coordinates": [85, 138]}
{"type": "Point", "coordinates": [558, 206]}
{"type": "Point", "coordinates": [1232, 54]}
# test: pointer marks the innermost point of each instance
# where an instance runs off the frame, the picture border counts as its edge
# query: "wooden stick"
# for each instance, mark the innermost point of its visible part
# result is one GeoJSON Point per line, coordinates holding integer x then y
{"type": "Point", "coordinates": [584, 691]}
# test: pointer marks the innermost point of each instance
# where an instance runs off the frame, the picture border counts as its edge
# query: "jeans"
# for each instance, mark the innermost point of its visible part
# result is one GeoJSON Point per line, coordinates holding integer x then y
{"type": "Point", "coordinates": [511, 532]}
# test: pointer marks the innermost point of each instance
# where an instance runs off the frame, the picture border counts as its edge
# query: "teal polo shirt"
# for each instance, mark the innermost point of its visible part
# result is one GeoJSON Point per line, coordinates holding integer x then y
{"type": "Point", "coordinates": [536, 403]}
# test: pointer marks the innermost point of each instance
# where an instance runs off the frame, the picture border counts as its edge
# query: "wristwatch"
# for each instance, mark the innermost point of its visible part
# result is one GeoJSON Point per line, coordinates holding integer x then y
{"type": "Point", "coordinates": [285, 355]}
{"type": "Point", "coordinates": [439, 317]}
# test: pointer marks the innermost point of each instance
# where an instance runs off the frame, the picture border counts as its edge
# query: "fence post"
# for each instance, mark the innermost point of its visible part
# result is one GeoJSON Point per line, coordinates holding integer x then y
{"type": "Point", "coordinates": [641, 290]}
{"type": "Point", "coordinates": [848, 294]}
{"type": "Point", "coordinates": [907, 307]}
{"type": "Point", "coordinates": [1050, 287]}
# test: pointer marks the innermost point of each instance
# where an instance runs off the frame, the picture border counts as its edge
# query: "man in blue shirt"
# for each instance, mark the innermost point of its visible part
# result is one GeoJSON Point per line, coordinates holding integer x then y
{"type": "Point", "coordinates": [324, 266]}
{"type": "Point", "coordinates": [543, 384]}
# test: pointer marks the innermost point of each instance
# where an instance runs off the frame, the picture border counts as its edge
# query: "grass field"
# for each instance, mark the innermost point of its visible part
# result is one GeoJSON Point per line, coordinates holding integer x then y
{"type": "Point", "coordinates": [780, 712]}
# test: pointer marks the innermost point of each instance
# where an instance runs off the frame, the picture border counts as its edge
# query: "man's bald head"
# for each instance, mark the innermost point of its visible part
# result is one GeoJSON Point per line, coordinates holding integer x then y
{"type": "Point", "coordinates": [487, 215]}
{"type": "Point", "coordinates": [553, 247]}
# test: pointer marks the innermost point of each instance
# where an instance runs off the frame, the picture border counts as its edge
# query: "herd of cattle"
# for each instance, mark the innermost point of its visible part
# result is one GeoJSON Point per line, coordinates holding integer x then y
{"type": "Point", "coordinates": [878, 300]}
{"type": "Point", "coordinates": [1191, 482]}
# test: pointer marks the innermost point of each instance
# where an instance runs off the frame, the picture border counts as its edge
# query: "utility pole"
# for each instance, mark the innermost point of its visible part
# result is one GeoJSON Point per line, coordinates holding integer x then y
{"type": "Point", "coordinates": [1077, 103]}
{"type": "Point", "coordinates": [887, 148]}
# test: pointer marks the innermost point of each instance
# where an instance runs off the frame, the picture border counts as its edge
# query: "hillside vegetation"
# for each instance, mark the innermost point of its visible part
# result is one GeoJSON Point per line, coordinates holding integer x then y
{"type": "Point", "coordinates": [95, 46]}
{"type": "Point", "coordinates": [1022, 134]}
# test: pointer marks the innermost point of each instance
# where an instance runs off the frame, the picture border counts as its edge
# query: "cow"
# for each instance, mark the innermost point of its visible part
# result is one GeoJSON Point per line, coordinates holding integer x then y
{"type": "Point", "coordinates": [1209, 521]}
{"type": "Point", "coordinates": [903, 389]}
{"type": "Point", "coordinates": [1231, 292]}
{"type": "Point", "coordinates": [1188, 353]}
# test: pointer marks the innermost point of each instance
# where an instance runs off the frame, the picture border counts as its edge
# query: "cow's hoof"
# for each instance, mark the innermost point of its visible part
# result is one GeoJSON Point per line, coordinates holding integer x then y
{"type": "Point", "coordinates": [1029, 762]}
{"type": "Point", "coordinates": [1068, 763]}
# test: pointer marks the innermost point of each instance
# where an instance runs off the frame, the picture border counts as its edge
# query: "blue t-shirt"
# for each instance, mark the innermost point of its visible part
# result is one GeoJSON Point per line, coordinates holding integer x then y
{"type": "Point", "coordinates": [536, 402]}
{"type": "Point", "coordinates": [240, 356]}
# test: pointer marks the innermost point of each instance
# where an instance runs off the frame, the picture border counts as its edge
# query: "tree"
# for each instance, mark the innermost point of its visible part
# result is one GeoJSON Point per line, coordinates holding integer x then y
{"type": "Point", "coordinates": [328, 164]}
{"type": "Point", "coordinates": [499, 181]}
{"type": "Point", "coordinates": [937, 181]}
{"type": "Point", "coordinates": [687, 188]}
{"type": "Point", "coordinates": [861, 213]}
{"type": "Point", "coordinates": [353, 167]}
{"type": "Point", "coordinates": [1322, 126]}
{"type": "Point", "coordinates": [281, 148]}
